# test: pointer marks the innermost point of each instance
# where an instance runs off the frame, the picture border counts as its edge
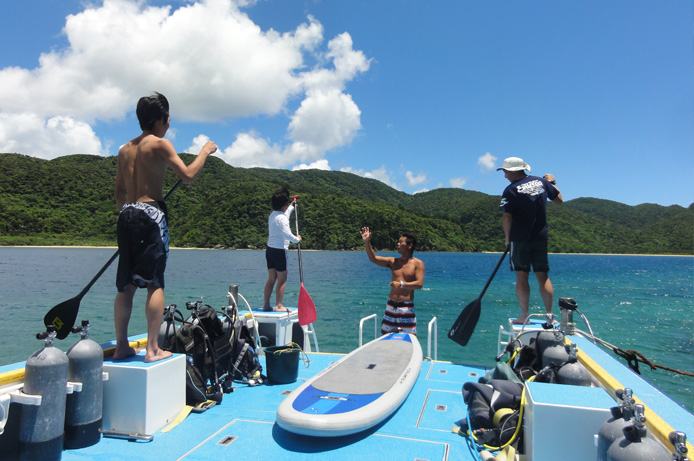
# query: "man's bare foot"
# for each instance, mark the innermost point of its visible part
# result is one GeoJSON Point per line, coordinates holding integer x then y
{"type": "Point", "coordinates": [160, 355]}
{"type": "Point", "coordinates": [281, 309]}
{"type": "Point", "coordinates": [267, 308]}
{"type": "Point", "coordinates": [124, 353]}
{"type": "Point", "coordinates": [520, 320]}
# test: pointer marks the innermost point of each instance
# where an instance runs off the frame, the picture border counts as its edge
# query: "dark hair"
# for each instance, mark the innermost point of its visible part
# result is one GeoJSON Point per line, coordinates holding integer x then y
{"type": "Point", "coordinates": [280, 198]}
{"type": "Point", "coordinates": [410, 238]}
{"type": "Point", "coordinates": [150, 109]}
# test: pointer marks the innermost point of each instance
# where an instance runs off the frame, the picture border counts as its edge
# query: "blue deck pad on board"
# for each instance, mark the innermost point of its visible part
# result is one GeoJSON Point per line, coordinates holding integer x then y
{"type": "Point", "coordinates": [314, 401]}
{"type": "Point", "coordinates": [396, 337]}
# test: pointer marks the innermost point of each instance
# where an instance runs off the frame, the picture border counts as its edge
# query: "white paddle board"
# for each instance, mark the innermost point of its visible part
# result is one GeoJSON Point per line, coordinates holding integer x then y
{"type": "Point", "coordinates": [357, 392]}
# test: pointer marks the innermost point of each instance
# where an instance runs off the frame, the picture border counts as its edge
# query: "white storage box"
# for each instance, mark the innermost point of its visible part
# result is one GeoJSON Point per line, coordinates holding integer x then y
{"type": "Point", "coordinates": [560, 415]}
{"type": "Point", "coordinates": [278, 327]}
{"type": "Point", "coordinates": [143, 397]}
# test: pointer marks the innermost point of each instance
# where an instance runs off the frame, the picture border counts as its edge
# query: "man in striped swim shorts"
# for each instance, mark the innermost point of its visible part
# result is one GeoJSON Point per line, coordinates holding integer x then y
{"type": "Point", "coordinates": [407, 275]}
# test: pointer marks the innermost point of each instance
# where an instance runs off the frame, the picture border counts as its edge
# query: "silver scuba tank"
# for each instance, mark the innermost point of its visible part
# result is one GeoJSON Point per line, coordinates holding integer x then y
{"type": "Point", "coordinates": [83, 414]}
{"type": "Point", "coordinates": [611, 429]}
{"type": "Point", "coordinates": [573, 372]}
{"type": "Point", "coordinates": [41, 427]}
{"type": "Point", "coordinates": [637, 444]}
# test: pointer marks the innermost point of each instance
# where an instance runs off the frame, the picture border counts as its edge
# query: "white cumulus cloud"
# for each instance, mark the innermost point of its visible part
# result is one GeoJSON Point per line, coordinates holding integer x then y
{"type": "Point", "coordinates": [250, 150]}
{"type": "Point", "coordinates": [486, 162]}
{"type": "Point", "coordinates": [211, 61]}
{"type": "Point", "coordinates": [382, 174]}
{"type": "Point", "coordinates": [413, 180]}
{"type": "Point", "coordinates": [29, 134]}
{"type": "Point", "coordinates": [321, 164]}
{"type": "Point", "coordinates": [458, 182]}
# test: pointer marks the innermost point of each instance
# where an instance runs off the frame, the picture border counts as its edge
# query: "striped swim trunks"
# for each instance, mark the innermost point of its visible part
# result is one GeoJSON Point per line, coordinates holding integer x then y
{"type": "Point", "coordinates": [399, 316]}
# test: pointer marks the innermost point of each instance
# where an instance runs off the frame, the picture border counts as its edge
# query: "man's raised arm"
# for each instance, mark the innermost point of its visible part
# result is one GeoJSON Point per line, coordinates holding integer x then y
{"type": "Point", "coordinates": [186, 173]}
{"type": "Point", "coordinates": [373, 257]}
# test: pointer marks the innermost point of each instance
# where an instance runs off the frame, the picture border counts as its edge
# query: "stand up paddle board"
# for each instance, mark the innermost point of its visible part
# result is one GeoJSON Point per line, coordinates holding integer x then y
{"type": "Point", "coordinates": [357, 392]}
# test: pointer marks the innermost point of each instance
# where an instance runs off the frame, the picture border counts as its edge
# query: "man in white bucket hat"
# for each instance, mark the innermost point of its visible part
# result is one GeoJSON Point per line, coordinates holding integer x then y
{"type": "Point", "coordinates": [524, 206]}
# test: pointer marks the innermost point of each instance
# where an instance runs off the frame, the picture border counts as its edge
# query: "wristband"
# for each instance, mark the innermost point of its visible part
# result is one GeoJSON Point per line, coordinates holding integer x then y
{"type": "Point", "coordinates": [402, 284]}
{"type": "Point", "coordinates": [553, 182]}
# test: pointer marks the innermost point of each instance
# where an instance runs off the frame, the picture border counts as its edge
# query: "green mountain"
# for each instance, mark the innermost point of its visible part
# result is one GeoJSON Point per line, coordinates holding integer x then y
{"type": "Point", "coordinates": [69, 201]}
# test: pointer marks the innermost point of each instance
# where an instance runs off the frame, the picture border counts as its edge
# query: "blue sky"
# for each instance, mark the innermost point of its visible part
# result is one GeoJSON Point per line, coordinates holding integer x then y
{"type": "Point", "coordinates": [417, 94]}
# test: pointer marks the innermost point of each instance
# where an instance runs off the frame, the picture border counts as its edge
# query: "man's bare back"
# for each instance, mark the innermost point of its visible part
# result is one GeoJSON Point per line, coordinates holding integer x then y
{"type": "Point", "coordinates": [140, 175]}
{"type": "Point", "coordinates": [142, 166]}
{"type": "Point", "coordinates": [142, 169]}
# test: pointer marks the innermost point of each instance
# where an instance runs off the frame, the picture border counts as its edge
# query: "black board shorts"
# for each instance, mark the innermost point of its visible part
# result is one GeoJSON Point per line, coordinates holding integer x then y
{"type": "Point", "coordinates": [143, 245]}
{"type": "Point", "coordinates": [276, 259]}
{"type": "Point", "coordinates": [533, 253]}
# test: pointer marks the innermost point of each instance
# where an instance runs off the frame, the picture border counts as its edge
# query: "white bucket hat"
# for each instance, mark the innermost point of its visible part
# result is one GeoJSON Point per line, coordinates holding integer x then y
{"type": "Point", "coordinates": [514, 164]}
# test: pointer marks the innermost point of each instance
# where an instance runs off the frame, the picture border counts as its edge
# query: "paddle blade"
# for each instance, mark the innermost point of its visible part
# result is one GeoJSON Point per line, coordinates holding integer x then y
{"type": "Point", "coordinates": [63, 317]}
{"type": "Point", "coordinates": [307, 310]}
{"type": "Point", "coordinates": [464, 325]}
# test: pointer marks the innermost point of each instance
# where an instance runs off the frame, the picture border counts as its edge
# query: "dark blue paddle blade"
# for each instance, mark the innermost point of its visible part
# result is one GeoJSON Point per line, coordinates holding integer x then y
{"type": "Point", "coordinates": [464, 325]}
{"type": "Point", "coordinates": [63, 316]}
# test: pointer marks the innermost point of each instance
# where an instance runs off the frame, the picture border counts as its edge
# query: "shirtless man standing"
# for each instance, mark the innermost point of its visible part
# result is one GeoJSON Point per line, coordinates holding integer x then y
{"type": "Point", "coordinates": [143, 235]}
{"type": "Point", "coordinates": [407, 276]}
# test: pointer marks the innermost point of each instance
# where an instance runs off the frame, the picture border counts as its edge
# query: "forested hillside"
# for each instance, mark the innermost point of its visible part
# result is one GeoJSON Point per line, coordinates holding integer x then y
{"type": "Point", "coordinates": [69, 201]}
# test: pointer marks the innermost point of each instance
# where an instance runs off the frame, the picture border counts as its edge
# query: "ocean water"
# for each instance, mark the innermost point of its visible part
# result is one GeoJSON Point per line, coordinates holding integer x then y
{"type": "Point", "coordinates": [645, 303]}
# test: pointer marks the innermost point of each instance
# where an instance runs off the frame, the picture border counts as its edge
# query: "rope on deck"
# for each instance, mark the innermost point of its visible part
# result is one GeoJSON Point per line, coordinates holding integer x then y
{"type": "Point", "coordinates": [633, 357]}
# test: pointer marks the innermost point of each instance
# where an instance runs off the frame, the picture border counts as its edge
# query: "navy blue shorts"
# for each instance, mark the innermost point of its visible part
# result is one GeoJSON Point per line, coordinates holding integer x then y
{"type": "Point", "coordinates": [143, 245]}
{"type": "Point", "coordinates": [276, 259]}
{"type": "Point", "coordinates": [530, 254]}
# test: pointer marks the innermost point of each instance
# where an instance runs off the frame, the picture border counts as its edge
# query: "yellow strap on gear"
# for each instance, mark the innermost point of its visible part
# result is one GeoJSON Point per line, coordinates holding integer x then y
{"type": "Point", "coordinates": [181, 416]}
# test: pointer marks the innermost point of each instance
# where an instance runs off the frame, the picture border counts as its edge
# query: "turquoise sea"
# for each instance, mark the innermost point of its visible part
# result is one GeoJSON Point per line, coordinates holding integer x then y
{"type": "Point", "coordinates": [644, 303]}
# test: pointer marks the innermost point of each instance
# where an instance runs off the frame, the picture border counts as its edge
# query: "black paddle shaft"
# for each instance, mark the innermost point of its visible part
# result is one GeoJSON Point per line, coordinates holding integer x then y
{"type": "Point", "coordinates": [494, 273]}
{"type": "Point", "coordinates": [63, 315]}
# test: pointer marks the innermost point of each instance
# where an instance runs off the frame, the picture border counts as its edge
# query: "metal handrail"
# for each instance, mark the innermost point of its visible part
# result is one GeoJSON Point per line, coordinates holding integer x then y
{"type": "Point", "coordinates": [308, 330]}
{"type": "Point", "coordinates": [436, 339]}
{"type": "Point", "coordinates": [361, 327]}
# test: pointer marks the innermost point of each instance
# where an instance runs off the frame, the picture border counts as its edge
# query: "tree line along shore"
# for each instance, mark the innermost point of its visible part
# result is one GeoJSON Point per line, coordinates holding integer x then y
{"type": "Point", "coordinates": [69, 201]}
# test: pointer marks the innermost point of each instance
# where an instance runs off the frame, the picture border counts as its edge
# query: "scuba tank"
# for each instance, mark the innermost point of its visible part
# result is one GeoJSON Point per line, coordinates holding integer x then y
{"type": "Point", "coordinates": [548, 338]}
{"type": "Point", "coordinates": [572, 372]}
{"type": "Point", "coordinates": [41, 427]}
{"type": "Point", "coordinates": [167, 331]}
{"type": "Point", "coordinates": [637, 444]}
{"type": "Point", "coordinates": [611, 429]}
{"type": "Point", "coordinates": [83, 413]}
{"type": "Point", "coordinates": [555, 352]}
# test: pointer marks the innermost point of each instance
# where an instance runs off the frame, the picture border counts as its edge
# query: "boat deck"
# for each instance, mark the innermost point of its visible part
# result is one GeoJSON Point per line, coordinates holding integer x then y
{"type": "Point", "coordinates": [243, 426]}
